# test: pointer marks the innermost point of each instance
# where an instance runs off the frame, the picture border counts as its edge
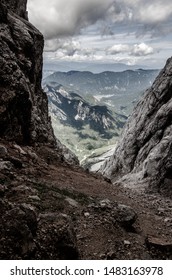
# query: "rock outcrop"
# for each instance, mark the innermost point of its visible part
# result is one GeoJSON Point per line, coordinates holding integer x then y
{"type": "Point", "coordinates": [18, 7]}
{"type": "Point", "coordinates": [25, 126]}
{"type": "Point", "coordinates": [144, 152]}
{"type": "Point", "coordinates": [23, 104]}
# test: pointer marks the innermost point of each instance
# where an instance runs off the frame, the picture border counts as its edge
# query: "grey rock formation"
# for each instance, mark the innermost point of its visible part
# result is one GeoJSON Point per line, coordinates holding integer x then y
{"type": "Point", "coordinates": [125, 215]}
{"type": "Point", "coordinates": [23, 104]}
{"type": "Point", "coordinates": [120, 213]}
{"type": "Point", "coordinates": [18, 7]}
{"type": "Point", "coordinates": [144, 152]}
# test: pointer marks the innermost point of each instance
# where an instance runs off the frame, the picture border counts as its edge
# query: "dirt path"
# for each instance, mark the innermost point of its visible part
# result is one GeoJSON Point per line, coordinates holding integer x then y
{"type": "Point", "coordinates": [100, 237]}
{"type": "Point", "coordinates": [90, 206]}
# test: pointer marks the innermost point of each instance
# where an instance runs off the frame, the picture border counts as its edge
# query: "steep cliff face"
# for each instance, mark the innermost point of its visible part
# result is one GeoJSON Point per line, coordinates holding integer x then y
{"type": "Point", "coordinates": [18, 7]}
{"type": "Point", "coordinates": [23, 104]}
{"type": "Point", "coordinates": [144, 152]}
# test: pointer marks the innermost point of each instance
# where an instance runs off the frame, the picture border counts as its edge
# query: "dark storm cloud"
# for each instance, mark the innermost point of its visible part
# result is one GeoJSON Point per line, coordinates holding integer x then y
{"type": "Point", "coordinates": [58, 18]}
{"type": "Point", "coordinates": [66, 25]}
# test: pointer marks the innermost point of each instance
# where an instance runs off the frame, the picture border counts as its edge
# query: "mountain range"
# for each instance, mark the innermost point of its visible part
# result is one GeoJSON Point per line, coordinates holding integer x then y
{"type": "Point", "coordinates": [115, 89]}
{"type": "Point", "coordinates": [88, 110]}
{"type": "Point", "coordinates": [53, 65]}
{"type": "Point", "coordinates": [81, 126]}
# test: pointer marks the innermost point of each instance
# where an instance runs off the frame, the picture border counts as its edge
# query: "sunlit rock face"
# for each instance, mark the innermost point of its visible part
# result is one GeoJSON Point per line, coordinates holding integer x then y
{"type": "Point", "coordinates": [144, 152]}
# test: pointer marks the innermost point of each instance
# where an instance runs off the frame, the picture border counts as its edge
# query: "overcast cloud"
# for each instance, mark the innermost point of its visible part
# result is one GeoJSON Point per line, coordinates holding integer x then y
{"type": "Point", "coordinates": [59, 18]}
{"type": "Point", "coordinates": [103, 29]}
{"type": "Point", "coordinates": [136, 49]}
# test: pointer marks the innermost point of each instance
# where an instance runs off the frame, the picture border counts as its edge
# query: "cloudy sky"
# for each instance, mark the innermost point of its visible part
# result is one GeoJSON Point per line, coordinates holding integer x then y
{"type": "Point", "coordinates": [127, 31]}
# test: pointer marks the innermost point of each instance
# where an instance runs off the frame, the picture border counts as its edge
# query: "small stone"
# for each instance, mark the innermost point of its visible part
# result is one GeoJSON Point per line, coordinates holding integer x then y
{"type": "Point", "coordinates": [33, 156]}
{"type": "Point", "coordinates": [26, 206]}
{"type": "Point", "coordinates": [102, 256]}
{"type": "Point", "coordinates": [126, 242]}
{"type": "Point", "coordinates": [158, 242]}
{"type": "Point", "coordinates": [86, 214]}
{"type": "Point", "coordinates": [166, 220]}
{"type": "Point", "coordinates": [111, 255]}
{"type": "Point", "coordinates": [6, 165]}
{"type": "Point", "coordinates": [21, 151]}
{"type": "Point", "coordinates": [34, 197]}
{"type": "Point", "coordinates": [105, 203]}
{"type": "Point", "coordinates": [71, 202]}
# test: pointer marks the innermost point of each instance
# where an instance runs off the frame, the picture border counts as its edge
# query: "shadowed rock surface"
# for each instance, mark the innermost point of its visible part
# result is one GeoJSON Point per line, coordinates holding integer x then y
{"type": "Point", "coordinates": [23, 104]}
{"type": "Point", "coordinates": [18, 7]}
{"type": "Point", "coordinates": [144, 152]}
{"type": "Point", "coordinates": [24, 120]}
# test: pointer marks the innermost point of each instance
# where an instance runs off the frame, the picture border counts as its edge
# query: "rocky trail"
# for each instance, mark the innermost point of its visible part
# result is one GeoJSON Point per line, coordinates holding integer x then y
{"type": "Point", "coordinates": [54, 211]}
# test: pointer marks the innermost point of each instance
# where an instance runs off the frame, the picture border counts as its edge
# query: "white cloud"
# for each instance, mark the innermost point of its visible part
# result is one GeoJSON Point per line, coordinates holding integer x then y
{"type": "Point", "coordinates": [141, 49]}
{"type": "Point", "coordinates": [119, 48]}
{"type": "Point", "coordinates": [67, 46]}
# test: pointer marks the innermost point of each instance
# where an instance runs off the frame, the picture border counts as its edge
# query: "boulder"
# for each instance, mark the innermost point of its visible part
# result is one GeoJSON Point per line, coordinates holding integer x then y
{"type": "Point", "coordinates": [125, 215]}
{"type": "Point", "coordinates": [56, 237]}
{"type": "Point", "coordinates": [17, 226]}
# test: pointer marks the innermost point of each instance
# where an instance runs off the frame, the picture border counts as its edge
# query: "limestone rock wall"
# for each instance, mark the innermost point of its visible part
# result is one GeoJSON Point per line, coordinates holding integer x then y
{"type": "Point", "coordinates": [23, 104]}
{"type": "Point", "coordinates": [144, 152]}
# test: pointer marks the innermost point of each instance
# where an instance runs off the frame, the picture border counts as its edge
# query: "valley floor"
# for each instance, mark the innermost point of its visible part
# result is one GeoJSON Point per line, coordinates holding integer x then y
{"type": "Point", "coordinates": [53, 211]}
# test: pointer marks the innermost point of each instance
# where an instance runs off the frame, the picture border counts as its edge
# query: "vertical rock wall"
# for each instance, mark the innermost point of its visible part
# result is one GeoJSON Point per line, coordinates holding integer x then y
{"type": "Point", "coordinates": [144, 152]}
{"type": "Point", "coordinates": [23, 104]}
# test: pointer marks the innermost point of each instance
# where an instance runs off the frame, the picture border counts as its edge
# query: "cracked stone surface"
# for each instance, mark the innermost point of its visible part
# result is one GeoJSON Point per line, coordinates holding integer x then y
{"type": "Point", "coordinates": [144, 152]}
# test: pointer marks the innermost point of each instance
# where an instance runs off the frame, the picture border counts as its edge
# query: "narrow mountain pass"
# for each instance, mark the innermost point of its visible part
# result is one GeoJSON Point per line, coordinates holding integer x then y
{"type": "Point", "coordinates": [74, 214]}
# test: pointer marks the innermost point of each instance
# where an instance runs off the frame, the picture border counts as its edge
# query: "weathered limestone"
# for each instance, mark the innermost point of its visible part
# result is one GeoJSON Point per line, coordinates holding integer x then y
{"type": "Point", "coordinates": [144, 152]}
{"type": "Point", "coordinates": [23, 104]}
